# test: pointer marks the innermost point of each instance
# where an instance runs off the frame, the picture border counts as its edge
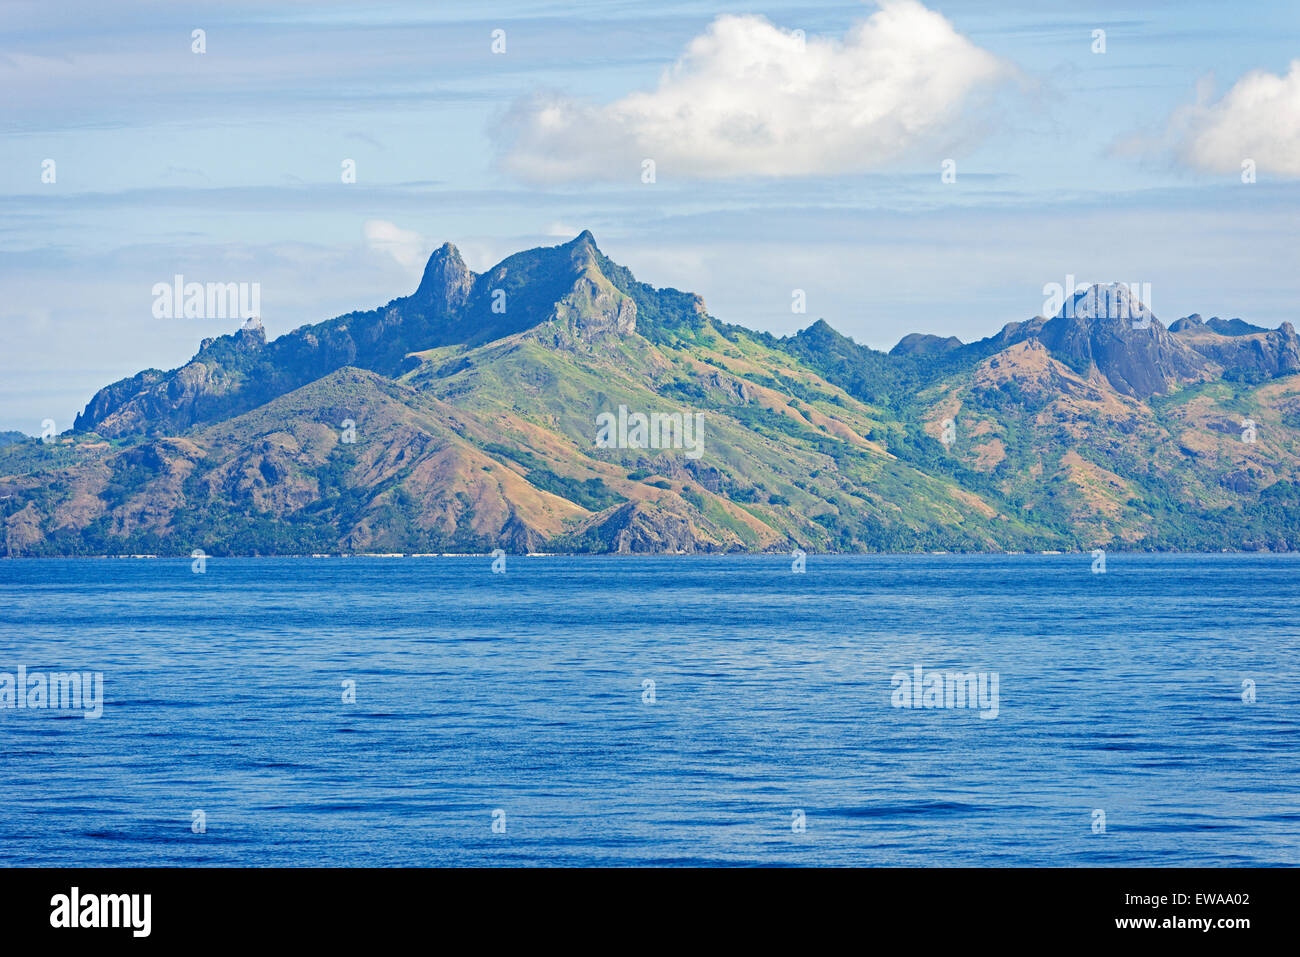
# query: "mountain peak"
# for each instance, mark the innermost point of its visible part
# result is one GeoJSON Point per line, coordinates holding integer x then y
{"type": "Point", "coordinates": [1188, 323]}
{"type": "Point", "coordinates": [583, 244]}
{"type": "Point", "coordinates": [920, 343]}
{"type": "Point", "coordinates": [447, 281]}
{"type": "Point", "coordinates": [821, 327]}
{"type": "Point", "coordinates": [1112, 300]}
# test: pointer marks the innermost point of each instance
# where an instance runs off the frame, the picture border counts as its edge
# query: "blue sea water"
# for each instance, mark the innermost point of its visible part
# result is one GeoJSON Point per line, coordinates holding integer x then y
{"type": "Point", "coordinates": [524, 693]}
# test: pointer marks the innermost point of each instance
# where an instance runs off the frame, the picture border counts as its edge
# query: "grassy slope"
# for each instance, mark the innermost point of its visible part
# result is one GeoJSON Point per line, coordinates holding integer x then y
{"type": "Point", "coordinates": [481, 445]}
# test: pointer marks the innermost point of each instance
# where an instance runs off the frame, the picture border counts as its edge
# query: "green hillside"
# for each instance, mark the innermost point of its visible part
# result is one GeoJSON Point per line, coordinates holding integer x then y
{"type": "Point", "coordinates": [466, 418]}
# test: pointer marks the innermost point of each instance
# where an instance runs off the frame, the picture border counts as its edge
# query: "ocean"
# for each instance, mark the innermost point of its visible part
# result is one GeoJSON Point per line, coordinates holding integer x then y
{"type": "Point", "coordinates": [656, 711]}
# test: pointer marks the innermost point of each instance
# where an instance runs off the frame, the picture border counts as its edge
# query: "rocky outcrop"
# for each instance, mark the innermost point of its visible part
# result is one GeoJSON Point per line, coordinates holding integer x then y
{"type": "Point", "coordinates": [1245, 351]}
{"type": "Point", "coordinates": [591, 312]}
{"type": "Point", "coordinates": [646, 528]}
{"type": "Point", "coordinates": [731, 388]}
{"type": "Point", "coordinates": [111, 398]}
{"type": "Point", "coordinates": [446, 283]}
{"type": "Point", "coordinates": [1243, 480]}
{"type": "Point", "coordinates": [155, 403]}
{"type": "Point", "coordinates": [1107, 328]}
{"type": "Point", "coordinates": [1224, 327]}
{"type": "Point", "coordinates": [561, 287]}
{"type": "Point", "coordinates": [597, 309]}
{"type": "Point", "coordinates": [1138, 362]}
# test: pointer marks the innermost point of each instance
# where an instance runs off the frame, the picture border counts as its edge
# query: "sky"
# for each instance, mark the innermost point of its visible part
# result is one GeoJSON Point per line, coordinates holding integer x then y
{"type": "Point", "coordinates": [906, 167]}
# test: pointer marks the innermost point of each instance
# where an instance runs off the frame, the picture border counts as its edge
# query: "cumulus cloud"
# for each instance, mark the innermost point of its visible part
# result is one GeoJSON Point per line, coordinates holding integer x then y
{"type": "Point", "coordinates": [751, 98]}
{"type": "Point", "coordinates": [1258, 119]}
{"type": "Point", "coordinates": [408, 248]}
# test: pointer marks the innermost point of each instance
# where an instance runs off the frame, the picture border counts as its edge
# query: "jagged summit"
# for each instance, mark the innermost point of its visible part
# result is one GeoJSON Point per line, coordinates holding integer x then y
{"type": "Point", "coordinates": [1195, 323]}
{"type": "Point", "coordinates": [447, 281]}
{"type": "Point", "coordinates": [448, 284]}
{"type": "Point", "coordinates": [562, 295]}
{"type": "Point", "coordinates": [474, 402]}
{"type": "Point", "coordinates": [1114, 300]}
{"type": "Point", "coordinates": [1107, 328]}
{"type": "Point", "coordinates": [572, 298]}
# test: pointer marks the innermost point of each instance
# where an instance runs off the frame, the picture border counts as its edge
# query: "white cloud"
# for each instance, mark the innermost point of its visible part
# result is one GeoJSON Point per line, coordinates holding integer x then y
{"type": "Point", "coordinates": [559, 230]}
{"type": "Point", "coordinates": [751, 98]}
{"type": "Point", "coordinates": [1258, 119]}
{"type": "Point", "coordinates": [408, 248]}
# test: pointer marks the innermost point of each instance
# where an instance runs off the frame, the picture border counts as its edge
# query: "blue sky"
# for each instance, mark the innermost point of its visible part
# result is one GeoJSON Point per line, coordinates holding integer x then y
{"type": "Point", "coordinates": [225, 166]}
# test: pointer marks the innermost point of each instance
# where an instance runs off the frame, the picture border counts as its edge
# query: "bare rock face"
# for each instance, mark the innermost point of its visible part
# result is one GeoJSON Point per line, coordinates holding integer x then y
{"type": "Point", "coordinates": [609, 311]}
{"type": "Point", "coordinates": [519, 537]}
{"type": "Point", "coordinates": [112, 397]}
{"type": "Point", "coordinates": [21, 530]}
{"type": "Point", "coordinates": [1248, 479]}
{"type": "Point", "coordinates": [162, 405]}
{"type": "Point", "coordinates": [1243, 350]}
{"type": "Point", "coordinates": [593, 311]}
{"type": "Point", "coordinates": [154, 402]}
{"type": "Point", "coordinates": [447, 281]}
{"type": "Point", "coordinates": [1225, 327]}
{"type": "Point", "coordinates": [645, 528]}
{"type": "Point", "coordinates": [1138, 362]}
{"type": "Point", "coordinates": [1106, 327]}
{"type": "Point", "coordinates": [735, 390]}
{"type": "Point", "coordinates": [559, 294]}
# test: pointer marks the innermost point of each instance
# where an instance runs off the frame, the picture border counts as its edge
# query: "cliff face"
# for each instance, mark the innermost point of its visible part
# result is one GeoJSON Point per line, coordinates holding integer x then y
{"type": "Point", "coordinates": [464, 417]}
{"type": "Point", "coordinates": [648, 528]}
{"type": "Point", "coordinates": [1105, 327]}
{"type": "Point", "coordinates": [446, 284]}
{"type": "Point", "coordinates": [1139, 362]}
{"type": "Point", "coordinates": [1242, 350]}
